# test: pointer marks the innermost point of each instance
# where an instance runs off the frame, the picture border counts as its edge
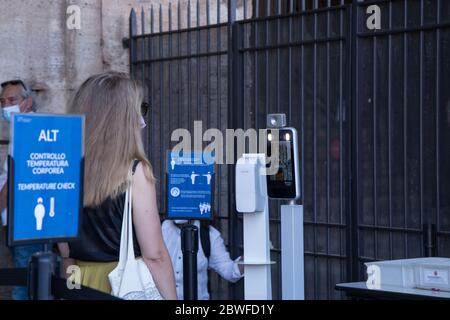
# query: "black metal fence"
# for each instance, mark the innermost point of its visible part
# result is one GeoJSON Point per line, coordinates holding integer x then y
{"type": "Point", "coordinates": [297, 63]}
{"type": "Point", "coordinates": [371, 107]}
{"type": "Point", "coordinates": [401, 132]}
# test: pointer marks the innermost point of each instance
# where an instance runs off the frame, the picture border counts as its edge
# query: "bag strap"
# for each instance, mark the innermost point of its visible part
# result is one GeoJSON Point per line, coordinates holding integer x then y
{"type": "Point", "coordinates": [130, 225]}
{"type": "Point", "coordinates": [124, 234]}
{"type": "Point", "coordinates": [205, 239]}
{"type": "Point", "coordinates": [131, 254]}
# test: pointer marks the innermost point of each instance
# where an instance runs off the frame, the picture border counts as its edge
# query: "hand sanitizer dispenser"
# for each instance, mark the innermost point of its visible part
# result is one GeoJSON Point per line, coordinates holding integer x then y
{"type": "Point", "coordinates": [248, 184]}
{"type": "Point", "coordinates": [252, 201]}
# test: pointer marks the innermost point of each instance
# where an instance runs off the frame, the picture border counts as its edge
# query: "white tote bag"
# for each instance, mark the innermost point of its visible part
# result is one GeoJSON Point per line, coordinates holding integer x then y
{"type": "Point", "coordinates": [131, 279]}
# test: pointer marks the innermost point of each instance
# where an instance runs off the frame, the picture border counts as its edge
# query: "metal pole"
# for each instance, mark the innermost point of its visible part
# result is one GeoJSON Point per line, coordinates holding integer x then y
{"type": "Point", "coordinates": [292, 252]}
{"type": "Point", "coordinates": [429, 239]}
{"type": "Point", "coordinates": [189, 247]}
{"type": "Point", "coordinates": [43, 266]}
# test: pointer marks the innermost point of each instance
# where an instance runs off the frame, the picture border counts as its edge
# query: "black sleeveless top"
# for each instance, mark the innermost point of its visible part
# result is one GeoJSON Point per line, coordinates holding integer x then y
{"type": "Point", "coordinates": [101, 226]}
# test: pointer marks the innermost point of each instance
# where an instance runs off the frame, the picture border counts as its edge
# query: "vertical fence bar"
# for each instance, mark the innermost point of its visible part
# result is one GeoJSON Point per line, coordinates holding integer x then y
{"type": "Point", "coordinates": [267, 65]}
{"type": "Point", "coordinates": [161, 85]}
{"type": "Point", "coordinates": [180, 85]}
{"type": "Point", "coordinates": [133, 32]}
{"type": "Point", "coordinates": [375, 142]}
{"type": "Point", "coordinates": [218, 118]}
{"type": "Point", "coordinates": [219, 62]}
{"type": "Point", "coordinates": [219, 91]}
{"type": "Point", "coordinates": [197, 62]}
{"type": "Point", "coordinates": [143, 45]}
{"type": "Point", "coordinates": [232, 121]}
{"type": "Point", "coordinates": [142, 22]}
{"type": "Point", "coordinates": [328, 149]}
{"type": "Point", "coordinates": [280, 278]}
{"type": "Point", "coordinates": [316, 278]}
{"type": "Point", "coordinates": [143, 69]}
{"type": "Point", "coordinates": [405, 124]}
{"type": "Point", "coordinates": [278, 82]}
{"type": "Point", "coordinates": [255, 62]}
{"type": "Point", "coordinates": [438, 98]}
{"type": "Point", "coordinates": [353, 233]}
{"type": "Point", "coordinates": [219, 95]}
{"type": "Point", "coordinates": [150, 93]}
{"type": "Point", "coordinates": [189, 61]}
{"type": "Point", "coordinates": [278, 55]}
{"type": "Point", "coordinates": [291, 12]}
{"type": "Point", "coordinates": [302, 105]}
{"type": "Point", "coordinates": [152, 89]}
{"type": "Point", "coordinates": [243, 72]}
{"type": "Point", "coordinates": [170, 65]}
{"type": "Point", "coordinates": [390, 131]}
{"type": "Point", "coordinates": [341, 201]}
{"type": "Point", "coordinates": [421, 111]}
{"type": "Point", "coordinates": [208, 48]}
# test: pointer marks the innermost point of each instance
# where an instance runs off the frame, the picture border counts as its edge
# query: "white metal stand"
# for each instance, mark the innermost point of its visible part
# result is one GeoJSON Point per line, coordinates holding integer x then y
{"type": "Point", "coordinates": [252, 200]}
{"type": "Point", "coordinates": [292, 252]}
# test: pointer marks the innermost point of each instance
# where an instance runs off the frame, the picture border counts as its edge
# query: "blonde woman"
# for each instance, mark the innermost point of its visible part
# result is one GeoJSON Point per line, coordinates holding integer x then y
{"type": "Point", "coordinates": [111, 103]}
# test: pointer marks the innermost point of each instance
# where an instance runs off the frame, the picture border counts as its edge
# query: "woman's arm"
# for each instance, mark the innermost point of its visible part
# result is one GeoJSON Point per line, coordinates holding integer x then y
{"type": "Point", "coordinates": [148, 231]}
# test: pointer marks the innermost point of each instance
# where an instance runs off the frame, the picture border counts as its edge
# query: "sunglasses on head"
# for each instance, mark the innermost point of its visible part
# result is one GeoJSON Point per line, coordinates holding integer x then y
{"type": "Point", "coordinates": [14, 83]}
{"type": "Point", "coordinates": [145, 106]}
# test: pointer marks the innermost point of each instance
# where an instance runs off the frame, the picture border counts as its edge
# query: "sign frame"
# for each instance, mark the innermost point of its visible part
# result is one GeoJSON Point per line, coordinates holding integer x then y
{"type": "Point", "coordinates": [213, 181]}
{"type": "Point", "coordinates": [11, 187]}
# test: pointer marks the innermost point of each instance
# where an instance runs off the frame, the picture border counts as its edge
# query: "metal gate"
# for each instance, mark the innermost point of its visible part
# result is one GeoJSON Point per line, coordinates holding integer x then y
{"type": "Point", "coordinates": [401, 133]}
{"type": "Point", "coordinates": [297, 64]}
{"type": "Point", "coordinates": [370, 106]}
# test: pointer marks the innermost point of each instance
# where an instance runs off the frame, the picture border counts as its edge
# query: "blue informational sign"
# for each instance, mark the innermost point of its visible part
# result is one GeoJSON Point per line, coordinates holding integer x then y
{"type": "Point", "coordinates": [46, 159]}
{"type": "Point", "coordinates": [190, 184]}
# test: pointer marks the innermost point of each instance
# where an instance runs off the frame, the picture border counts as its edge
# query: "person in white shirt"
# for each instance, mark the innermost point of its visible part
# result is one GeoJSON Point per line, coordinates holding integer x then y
{"type": "Point", "coordinates": [219, 259]}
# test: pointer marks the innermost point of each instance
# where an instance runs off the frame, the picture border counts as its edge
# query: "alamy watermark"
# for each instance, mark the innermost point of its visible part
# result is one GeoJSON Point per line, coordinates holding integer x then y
{"type": "Point", "coordinates": [74, 278]}
{"type": "Point", "coordinates": [228, 149]}
{"type": "Point", "coordinates": [374, 20]}
{"type": "Point", "coordinates": [373, 277]}
{"type": "Point", "coordinates": [73, 21]}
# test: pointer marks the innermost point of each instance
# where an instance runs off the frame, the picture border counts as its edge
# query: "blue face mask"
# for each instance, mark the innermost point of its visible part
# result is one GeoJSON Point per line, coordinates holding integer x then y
{"type": "Point", "coordinates": [8, 111]}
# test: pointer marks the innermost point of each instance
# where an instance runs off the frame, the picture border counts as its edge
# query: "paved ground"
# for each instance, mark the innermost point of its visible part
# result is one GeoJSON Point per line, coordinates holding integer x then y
{"type": "Point", "coordinates": [5, 262]}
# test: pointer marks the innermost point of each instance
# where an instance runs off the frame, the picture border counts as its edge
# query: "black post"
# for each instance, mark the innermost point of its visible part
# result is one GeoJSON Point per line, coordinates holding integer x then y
{"type": "Point", "coordinates": [189, 246]}
{"type": "Point", "coordinates": [429, 239]}
{"type": "Point", "coordinates": [43, 266]}
{"type": "Point", "coordinates": [133, 42]}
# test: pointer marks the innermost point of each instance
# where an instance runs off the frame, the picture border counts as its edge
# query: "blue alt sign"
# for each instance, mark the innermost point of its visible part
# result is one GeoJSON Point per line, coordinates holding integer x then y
{"type": "Point", "coordinates": [45, 180]}
{"type": "Point", "coordinates": [190, 185]}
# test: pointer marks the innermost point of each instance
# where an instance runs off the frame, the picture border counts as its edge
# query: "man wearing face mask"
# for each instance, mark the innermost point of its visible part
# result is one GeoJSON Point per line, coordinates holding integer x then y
{"type": "Point", "coordinates": [15, 97]}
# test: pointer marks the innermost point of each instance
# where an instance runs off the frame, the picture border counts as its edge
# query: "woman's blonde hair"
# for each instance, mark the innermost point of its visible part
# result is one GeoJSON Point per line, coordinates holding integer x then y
{"type": "Point", "coordinates": [111, 102]}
